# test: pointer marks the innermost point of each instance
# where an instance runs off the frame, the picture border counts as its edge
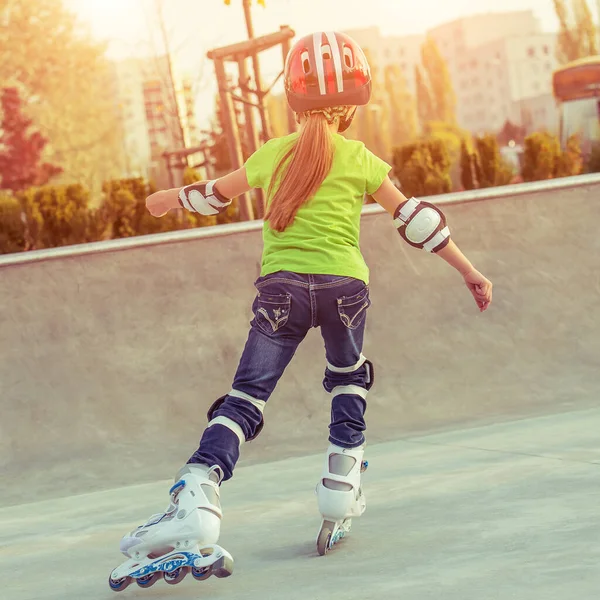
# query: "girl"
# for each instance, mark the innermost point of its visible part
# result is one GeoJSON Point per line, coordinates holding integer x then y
{"type": "Point", "coordinates": [313, 275]}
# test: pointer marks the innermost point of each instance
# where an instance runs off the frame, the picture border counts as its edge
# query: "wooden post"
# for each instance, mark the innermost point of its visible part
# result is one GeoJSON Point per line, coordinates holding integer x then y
{"type": "Point", "coordinates": [257, 79]}
{"type": "Point", "coordinates": [291, 118]}
{"type": "Point", "coordinates": [233, 138]}
{"type": "Point", "coordinates": [251, 136]}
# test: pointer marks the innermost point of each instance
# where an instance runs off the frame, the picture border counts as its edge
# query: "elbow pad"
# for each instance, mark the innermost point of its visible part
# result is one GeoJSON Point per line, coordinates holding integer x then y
{"type": "Point", "coordinates": [422, 225]}
{"type": "Point", "coordinates": [204, 198]}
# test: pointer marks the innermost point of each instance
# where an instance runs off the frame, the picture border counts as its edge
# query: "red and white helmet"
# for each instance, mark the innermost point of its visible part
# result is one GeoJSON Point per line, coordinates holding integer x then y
{"type": "Point", "coordinates": [326, 69]}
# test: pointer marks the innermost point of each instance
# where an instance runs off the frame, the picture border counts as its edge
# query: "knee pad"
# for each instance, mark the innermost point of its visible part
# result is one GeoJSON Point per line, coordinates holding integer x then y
{"type": "Point", "coordinates": [363, 362]}
{"type": "Point", "coordinates": [370, 374]}
{"type": "Point", "coordinates": [228, 422]}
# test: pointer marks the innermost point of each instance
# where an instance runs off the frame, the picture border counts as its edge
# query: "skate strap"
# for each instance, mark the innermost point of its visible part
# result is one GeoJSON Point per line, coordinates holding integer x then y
{"type": "Point", "coordinates": [177, 487]}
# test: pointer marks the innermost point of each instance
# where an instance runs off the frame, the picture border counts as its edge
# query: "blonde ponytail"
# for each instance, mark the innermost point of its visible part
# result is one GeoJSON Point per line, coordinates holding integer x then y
{"type": "Point", "coordinates": [306, 165]}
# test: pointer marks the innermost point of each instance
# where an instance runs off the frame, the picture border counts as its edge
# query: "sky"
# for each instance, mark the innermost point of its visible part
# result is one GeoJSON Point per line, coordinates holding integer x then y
{"type": "Point", "coordinates": [196, 26]}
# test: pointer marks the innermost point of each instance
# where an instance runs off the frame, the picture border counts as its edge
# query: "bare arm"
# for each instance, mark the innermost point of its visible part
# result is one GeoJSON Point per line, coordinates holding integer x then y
{"type": "Point", "coordinates": [389, 197]}
{"type": "Point", "coordinates": [231, 185]}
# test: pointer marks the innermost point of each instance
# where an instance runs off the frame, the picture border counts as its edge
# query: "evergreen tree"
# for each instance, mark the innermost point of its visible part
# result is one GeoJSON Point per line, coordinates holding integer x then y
{"type": "Point", "coordinates": [402, 113]}
{"type": "Point", "coordinates": [576, 36]}
{"type": "Point", "coordinates": [436, 77]}
{"type": "Point", "coordinates": [21, 149]}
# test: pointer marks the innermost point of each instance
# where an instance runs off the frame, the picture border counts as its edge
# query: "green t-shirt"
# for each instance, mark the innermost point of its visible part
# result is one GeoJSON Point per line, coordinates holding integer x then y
{"type": "Point", "coordinates": [324, 237]}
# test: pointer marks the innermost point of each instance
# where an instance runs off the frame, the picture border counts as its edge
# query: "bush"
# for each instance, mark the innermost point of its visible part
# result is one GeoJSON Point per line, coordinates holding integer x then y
{"type": "Point", "coordinates": [12, 225]}
{"type": "Point", "coordinates": [57, 215]}
{"type": "Point", "coordinates": [592, 164]}
{"type": "Point", "coordinates": [489, 160]}
{"type": "Point", "coordinates": [467, 167]}
{"type": "Point", "coordinates": [569, 162]}
{"type": "Point", "coordinates": [544, 159]}
{"type": "Point", "coordinates": [423, 168]}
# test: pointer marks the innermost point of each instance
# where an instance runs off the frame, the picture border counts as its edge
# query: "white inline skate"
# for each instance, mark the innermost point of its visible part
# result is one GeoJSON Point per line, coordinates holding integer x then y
{"type": "Point", "coordinates": [180, 540]}
{"type": "Point", "coordinates": [339, 494]}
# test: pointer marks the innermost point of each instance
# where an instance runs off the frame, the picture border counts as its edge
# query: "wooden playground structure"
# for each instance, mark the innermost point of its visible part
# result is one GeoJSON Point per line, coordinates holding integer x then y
{"type": "Point", "coordinates": [247, 90]}
{"type": "Point", "coordinates": [239, 53]}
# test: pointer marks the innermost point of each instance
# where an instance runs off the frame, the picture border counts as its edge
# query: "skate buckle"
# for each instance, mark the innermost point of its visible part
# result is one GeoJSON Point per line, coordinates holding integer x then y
{"type": "Point", "coordinates": [177, 487]}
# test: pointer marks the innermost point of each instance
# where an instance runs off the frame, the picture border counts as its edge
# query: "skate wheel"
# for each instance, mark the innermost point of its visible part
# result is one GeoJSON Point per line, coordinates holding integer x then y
{"type": "Point", "coordinates": [201, 574]}
{"type": "Point", "coordinates": [148, 580]}
{"type": "Point", "coordinates": [223, 567]}
{"type": "Point", "coordinates": [175, 576]}
{"type": "Point", "coordinates": [118, 585]}
{"type": "Point", "coordinates": [324, 539]}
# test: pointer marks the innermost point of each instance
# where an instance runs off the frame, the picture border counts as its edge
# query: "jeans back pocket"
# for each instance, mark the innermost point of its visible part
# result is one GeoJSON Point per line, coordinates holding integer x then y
{"type": "Point", "coordinates": [353, 309]}
{"type": "Point", "coordinates": [272, 311]}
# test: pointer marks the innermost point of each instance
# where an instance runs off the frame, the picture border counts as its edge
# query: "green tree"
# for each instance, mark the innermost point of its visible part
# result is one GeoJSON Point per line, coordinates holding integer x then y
{"type": "Point", "coordinates": [12, 226]}
{"type": "Point", "coordinates": [489, 160]}
{"type": "Point", "coordinates": [371, 122]}
{"type": "Point", "coordinates": [57, 215]}
{"type": "Point", "coordinates": [577, 34]}
{"type": "Point", "coordinates": [425, 107]}
{"type": "Point", "coordinates": [402, 110]}
{"type": "Point", "coordinates": [569, 162]}
{"type": "Point", "coordinates": [592, 164]}
{"type": "Point", "coordinates": [20, 148]}
{"type": "Point", "coordinates": [423, 168]}
{"type": "Point", "coordinates": [440, 99]}
{"type": "Point", "coordinates": [467, 167]}
{"type": "Point", "coordinates": [544, 159]}
{"type": "Point", "coordinates": [66, 85]}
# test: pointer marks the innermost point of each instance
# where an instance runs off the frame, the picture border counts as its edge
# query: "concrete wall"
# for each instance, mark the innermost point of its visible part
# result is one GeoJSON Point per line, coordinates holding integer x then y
{"type": "Point", "coordinates": [108, 362]}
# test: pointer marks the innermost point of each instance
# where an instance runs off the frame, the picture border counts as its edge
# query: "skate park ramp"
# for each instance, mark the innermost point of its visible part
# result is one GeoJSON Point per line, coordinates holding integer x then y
{"type": "Point", "coordinates": [482, 428]}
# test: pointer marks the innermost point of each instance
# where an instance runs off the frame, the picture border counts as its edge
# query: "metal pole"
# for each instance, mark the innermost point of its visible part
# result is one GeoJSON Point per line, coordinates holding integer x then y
{"type": "Point", "coordinates": [233, 138]}
{"type": "Point", "coordinates": [257, 78]}
{"type": "Point", "coordinates": [251, 136]}
{"type": "Point", "coordinates": [165, 37]}
{"type": "Point", "coordinates": [291, 119]}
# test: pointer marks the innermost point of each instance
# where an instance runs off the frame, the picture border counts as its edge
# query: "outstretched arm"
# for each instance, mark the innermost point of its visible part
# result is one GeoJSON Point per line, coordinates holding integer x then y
{"type": "Point", "coordinates": [391, 199]}
{"type": "Point", "coordinates": [204, 197]}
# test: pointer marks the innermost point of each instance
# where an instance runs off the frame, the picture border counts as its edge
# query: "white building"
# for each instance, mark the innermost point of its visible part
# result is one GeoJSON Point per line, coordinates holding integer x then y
{"type": "Point", "coordinates": [508, 79]}
{"type": "Point", "coordinates": [404, 51]}
{"type": "Point", "coordinates": [151, 119]}
{"type": "Point", "coordinates": [500, 63]}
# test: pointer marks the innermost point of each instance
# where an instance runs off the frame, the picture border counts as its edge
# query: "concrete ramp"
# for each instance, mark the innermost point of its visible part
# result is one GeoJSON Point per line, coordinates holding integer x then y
{"type": "Point", "coordinates": [502, 512]}
{"type": "Point", "coordinates": [108, 362]}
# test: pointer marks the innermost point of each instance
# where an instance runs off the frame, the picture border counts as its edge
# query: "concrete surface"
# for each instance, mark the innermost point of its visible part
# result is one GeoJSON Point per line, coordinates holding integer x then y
{"type": "Point", "coordinates": [502, 512]}
{"type": "Point", "coordinates": [108, 363]}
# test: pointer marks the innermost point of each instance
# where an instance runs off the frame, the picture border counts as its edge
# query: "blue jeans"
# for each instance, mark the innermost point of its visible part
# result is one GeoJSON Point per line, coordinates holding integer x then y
{"type": "Point", "coordinates": [286, 307]}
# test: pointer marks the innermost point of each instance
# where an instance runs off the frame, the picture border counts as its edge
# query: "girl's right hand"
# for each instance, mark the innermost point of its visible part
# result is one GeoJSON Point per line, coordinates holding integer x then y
{"type": "Point", "coordinates": [161, 202]}
{"type": "Point", "coordinates": [480, 287]}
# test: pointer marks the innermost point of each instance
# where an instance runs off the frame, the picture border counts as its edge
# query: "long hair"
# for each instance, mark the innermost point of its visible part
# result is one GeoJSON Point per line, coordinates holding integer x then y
{"type": "Point", "coordinates": [304, 167]}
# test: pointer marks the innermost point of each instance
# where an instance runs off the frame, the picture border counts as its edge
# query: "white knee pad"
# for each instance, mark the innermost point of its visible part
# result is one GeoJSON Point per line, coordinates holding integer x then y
{"type": "Point", "coordinates": [339, 493]}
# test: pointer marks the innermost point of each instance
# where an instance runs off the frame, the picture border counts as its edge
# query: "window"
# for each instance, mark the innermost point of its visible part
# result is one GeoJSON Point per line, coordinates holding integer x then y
{"type": "Point", "coordinates": [531, 52]}
{"type": "Point", "coordinates": [546, 50]}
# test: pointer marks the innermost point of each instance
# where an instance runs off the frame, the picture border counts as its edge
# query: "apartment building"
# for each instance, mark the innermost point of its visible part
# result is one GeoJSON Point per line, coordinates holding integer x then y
{"type": "Point", "coordinates": [500, 64]}
{"type": "Point", "coordinates": [156, 116]}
